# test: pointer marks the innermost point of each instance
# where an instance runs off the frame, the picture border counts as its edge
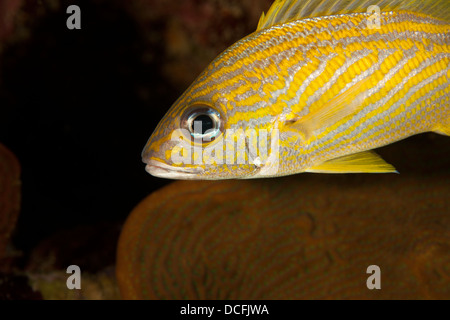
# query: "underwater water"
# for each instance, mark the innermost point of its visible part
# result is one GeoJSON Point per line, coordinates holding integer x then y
{"type": "Point", "coordinates": [76, 109]}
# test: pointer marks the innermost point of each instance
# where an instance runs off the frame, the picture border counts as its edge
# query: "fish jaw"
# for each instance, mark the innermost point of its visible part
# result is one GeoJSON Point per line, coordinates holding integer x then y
{"type": "Point", "coordinates": [162, 170]}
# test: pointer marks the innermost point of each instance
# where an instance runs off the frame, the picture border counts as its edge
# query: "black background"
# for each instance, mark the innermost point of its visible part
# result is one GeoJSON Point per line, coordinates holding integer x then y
{"type": "Point", "coordinates": [72, 115]}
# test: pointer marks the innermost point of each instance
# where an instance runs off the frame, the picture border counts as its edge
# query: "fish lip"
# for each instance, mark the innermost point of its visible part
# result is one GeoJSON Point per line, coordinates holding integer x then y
{"type": "Point", "coordinates": [161, 169]}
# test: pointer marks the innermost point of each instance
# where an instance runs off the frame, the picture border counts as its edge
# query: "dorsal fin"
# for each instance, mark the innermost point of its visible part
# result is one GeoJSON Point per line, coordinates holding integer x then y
{"type": "Point", "coordinates": [283, 11]}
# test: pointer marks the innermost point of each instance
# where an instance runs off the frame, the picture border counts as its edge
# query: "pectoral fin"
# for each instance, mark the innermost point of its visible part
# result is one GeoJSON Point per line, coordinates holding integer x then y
{"type": "Point", "coordinates": [363, 162]}
{"type": "Point", "coordinates": [345, 104]}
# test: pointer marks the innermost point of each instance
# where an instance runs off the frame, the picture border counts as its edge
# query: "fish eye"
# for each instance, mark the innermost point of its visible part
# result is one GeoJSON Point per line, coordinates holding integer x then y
{"type": "Point", "coordinates": [206, 123]}
{"type": "Point", "coordinates": [203, 123]}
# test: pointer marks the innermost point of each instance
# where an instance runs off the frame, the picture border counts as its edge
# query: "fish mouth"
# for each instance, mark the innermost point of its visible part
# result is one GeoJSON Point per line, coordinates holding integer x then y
{"type": "Point", "coordinates": [162, 170]}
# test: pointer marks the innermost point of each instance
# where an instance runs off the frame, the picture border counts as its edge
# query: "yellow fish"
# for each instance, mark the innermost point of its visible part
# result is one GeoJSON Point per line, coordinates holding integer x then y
{"type": "Point", "coordinates": [315, 88]}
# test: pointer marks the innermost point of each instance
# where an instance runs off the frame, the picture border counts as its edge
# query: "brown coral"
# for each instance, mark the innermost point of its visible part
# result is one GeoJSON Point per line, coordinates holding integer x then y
{"type": "Point", "coordinates": [308, 236]}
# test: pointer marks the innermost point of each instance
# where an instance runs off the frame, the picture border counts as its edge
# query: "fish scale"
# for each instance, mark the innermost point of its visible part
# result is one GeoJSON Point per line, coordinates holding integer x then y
{"type": "Point", "coordinates": [378, 85]}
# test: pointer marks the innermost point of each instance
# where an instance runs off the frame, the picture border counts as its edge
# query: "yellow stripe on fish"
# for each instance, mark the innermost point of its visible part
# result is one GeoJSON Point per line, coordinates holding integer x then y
{"type": "Point", "coordinates": [314, 89]}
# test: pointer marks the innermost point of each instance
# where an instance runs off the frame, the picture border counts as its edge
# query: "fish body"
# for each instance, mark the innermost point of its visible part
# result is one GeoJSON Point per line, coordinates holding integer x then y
{"type": "Point", "coordinates": [309, 95]}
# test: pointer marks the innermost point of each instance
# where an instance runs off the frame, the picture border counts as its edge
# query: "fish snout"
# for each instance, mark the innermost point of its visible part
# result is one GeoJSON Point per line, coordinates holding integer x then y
{"type": "Point", "coordinates": [162, 170]}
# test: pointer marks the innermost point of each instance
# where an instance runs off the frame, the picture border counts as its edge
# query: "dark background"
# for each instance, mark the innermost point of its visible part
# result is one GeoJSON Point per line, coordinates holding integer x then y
{"type": "Point", "coordinates": [77, 107]}
{"type": "Point", "coordinates": [75, 121]}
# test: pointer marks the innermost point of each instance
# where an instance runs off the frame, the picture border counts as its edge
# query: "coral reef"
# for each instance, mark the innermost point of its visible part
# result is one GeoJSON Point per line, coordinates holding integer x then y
{"type": "Point", "coordinates": [300, 237]}
{"type": "Point", "coordinates": [98, 286]}
{"type": "Point", "coordinates": [290, 238]}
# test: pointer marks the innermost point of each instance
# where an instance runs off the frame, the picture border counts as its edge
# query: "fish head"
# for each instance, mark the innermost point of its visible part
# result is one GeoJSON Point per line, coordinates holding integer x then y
{"type": "Point", "coordinates": [207, 135]}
